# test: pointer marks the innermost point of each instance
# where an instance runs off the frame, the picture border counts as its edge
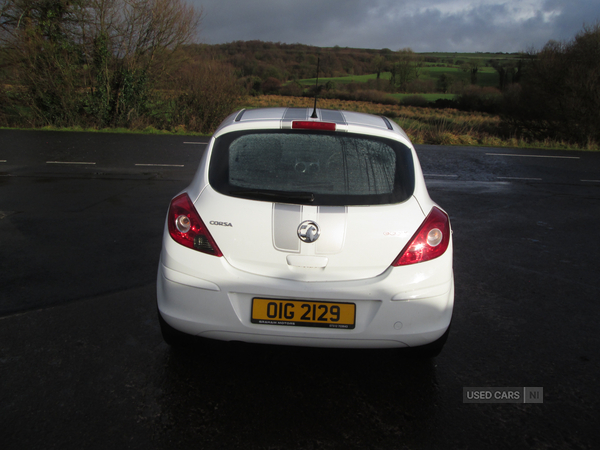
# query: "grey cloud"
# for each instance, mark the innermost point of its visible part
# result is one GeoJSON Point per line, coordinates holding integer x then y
{"type": "Point", "coordinates": [420, 25]}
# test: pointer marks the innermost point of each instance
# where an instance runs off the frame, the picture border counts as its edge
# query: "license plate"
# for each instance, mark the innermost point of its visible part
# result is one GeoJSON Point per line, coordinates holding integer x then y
{"type": "Point", "coordinates": [303, 313]}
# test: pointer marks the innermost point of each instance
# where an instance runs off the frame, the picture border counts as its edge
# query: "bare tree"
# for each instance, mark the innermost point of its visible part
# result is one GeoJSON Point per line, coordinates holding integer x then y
{"type": "Point", "coordinates": [140, 29]}
{"type": "Point", "coordinates": [132, 44]}
{"type": "Point", "coordinates": [92, 57]}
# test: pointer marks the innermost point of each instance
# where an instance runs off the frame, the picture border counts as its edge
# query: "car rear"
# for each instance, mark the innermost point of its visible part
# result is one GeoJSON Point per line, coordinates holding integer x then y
{"type": "Point", "coordinates": [307, 231]}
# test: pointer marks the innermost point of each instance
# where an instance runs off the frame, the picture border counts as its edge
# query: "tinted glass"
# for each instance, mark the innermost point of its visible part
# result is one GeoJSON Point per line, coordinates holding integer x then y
{"type": "Point", "coordinates": [312, 168]}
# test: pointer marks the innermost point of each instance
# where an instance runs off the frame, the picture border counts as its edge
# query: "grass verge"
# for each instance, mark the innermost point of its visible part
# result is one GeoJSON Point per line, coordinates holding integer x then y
{"type": "Point", "coordinates": [428, 125]}
{"type": "Point", "coordinates": [180, 131]}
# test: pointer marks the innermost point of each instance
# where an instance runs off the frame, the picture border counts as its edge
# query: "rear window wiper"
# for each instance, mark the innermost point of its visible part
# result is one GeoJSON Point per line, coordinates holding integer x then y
{"type": "Point", "coordinates": [273, 194]}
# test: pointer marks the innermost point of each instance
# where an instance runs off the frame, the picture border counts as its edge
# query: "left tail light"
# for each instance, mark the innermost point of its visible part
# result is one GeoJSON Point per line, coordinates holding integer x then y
{"type": "Point", "coordinates": [186, 227]}
{"type": "Point", "coordinates": [429, 242]}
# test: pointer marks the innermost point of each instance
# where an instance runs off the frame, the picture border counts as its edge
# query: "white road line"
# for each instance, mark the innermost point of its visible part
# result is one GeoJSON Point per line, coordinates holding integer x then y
{"type": "Point", "coordinates": [196, 143]}
{"type": "Point", "coordinates": [160, 165]}
{"type": "Point", "coordinates": [518, 178]}
{"type": "Point", "coordinates": [71, 162]}
{"type": "Point", "coordinates": [534, 156]}
{"type": "Point", "coordinates": [439, 175]}
{"type": "Point", "coordinates": [590, 181]}
{"type": "Point", "coordinates": [2, 160]}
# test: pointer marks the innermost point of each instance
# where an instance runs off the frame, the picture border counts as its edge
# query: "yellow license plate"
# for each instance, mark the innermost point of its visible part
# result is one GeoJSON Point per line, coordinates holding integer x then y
{"type": "Point", "coordinates": [303, 313]}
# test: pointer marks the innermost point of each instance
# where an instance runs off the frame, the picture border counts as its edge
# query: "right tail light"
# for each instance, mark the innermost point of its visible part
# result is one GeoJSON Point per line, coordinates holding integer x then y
{"type": "Point", "coordinates": [429, 242]}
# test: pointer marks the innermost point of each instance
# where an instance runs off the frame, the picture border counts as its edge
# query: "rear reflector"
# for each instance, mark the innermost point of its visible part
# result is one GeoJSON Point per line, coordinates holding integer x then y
{"type": "Point", "coordinates": [430, 241]}
{"type": "Point", "coordinates": [309, 125]}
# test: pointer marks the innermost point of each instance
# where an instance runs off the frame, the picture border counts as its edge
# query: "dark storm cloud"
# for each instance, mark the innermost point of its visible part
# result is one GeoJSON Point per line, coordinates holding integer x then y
{"type": "Point", "coordinates": [423, 25]}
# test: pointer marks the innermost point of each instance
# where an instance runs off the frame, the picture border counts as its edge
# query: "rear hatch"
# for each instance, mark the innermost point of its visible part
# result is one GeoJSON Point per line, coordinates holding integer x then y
{"type": "Point", "coordinates": [311, 206]}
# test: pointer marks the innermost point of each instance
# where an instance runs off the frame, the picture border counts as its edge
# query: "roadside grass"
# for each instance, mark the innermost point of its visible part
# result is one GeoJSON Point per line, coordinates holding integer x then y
{"type": "Point", "coordinates": [423, 125]}
{"type": "Point", "coordinates": [178, 131]}
{"type": "Point", "coordinates": [428, 125]}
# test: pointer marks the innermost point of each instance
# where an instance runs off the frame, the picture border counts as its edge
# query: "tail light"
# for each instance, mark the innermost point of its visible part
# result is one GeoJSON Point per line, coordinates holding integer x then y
{"type": "Point", "coordinates": [430, 241]}
{"type": "Point", "coordinates": [186, 227]}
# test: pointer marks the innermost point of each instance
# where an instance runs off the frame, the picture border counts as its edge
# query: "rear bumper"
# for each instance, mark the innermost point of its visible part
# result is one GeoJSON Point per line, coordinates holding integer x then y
{"type": "Point", "coordinates": [403, 307]}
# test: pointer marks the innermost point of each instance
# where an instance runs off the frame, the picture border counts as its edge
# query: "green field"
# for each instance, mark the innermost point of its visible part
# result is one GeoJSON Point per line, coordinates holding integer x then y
{"type": "Point", "coordinates": [447, 64]}
{"type": "Point", "coordinates": [345, 80]}
{"type": "Point", "coordinates": [486, 76]}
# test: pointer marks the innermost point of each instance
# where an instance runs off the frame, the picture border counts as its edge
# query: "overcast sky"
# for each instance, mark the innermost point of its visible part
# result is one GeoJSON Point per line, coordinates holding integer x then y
{"type": "Point", "coordinates": [422, 25]}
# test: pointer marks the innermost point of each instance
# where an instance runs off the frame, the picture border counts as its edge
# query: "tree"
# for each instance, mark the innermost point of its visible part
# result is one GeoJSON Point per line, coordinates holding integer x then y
{"type": "Point", "coordinates": [132, 43]}
{"type": "Point", "coordinates": [378, 65]}
{"type": "Point", "coordinates": [94, 58]}
{"type": "Point", "coordinates": [42, 41]}
{"type": "Point", "coordinates": [405, 66]}
{"type": "Point", "coordinates": [508, 72]}
{"type": "Point", "coordinates": [444, 83]}
{"type": "Point", "coordinates": [560, 90]}
{"type": "Point", "coordinates": [471, 67]}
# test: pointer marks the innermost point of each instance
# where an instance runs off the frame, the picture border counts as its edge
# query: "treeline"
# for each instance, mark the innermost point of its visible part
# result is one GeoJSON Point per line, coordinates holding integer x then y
{"type": "Point", "coordinates": [559, 95]}
{"type": "Point", "coordinates": [292, 61]}
{"type": "Point", "coordinates": [108, 63]}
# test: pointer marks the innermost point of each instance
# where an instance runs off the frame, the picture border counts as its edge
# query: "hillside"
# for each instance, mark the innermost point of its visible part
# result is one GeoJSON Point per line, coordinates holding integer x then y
{"type": "Point", "coordinates": [402, 71]}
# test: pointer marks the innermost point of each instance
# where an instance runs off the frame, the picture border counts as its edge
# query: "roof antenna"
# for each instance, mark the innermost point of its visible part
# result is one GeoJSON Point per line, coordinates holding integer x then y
{"type": "Point", "coordinates": [314, 114]}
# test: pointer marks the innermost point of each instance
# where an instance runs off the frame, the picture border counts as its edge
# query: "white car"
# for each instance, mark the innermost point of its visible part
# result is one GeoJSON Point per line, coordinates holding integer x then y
{"type": "Point", "coordinates": [309, 228]}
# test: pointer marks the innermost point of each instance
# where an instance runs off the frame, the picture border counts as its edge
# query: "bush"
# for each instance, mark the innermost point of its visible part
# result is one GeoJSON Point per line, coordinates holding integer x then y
{"type": "Point", "coordinates": [292, 89]}
{"type": "Point", "coordinates": [481, 99]}
{"type": "Point", "coordinates": [415, 100]}
{"type": "Point", "coordinates": [271, 86]}
{"type": "Point", "coordinates": [370, 95]}
{"type": "Point", "coordinates": [4, 102]}
{"type": "Point", "coordinates": [420, 87]}
{"type": "Point", "coordinates": [374, 96]}
{"type": "Point", "coordinates": [560, 91]}
{"type": "Point", "coordinates": [209, 93]}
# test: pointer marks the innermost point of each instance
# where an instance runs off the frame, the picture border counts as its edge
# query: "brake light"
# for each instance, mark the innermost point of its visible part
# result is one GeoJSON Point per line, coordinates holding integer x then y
{"type": "Point", "coordinates": [186, 227]}
{"type": "Point", "coordinates": [430, 241]}
{"type": "Point", "coordinates": [309, 125]}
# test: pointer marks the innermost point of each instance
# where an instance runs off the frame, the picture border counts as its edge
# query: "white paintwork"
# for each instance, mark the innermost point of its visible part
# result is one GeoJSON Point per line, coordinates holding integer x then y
{"type": "Point", "coordinates": [351, 261]}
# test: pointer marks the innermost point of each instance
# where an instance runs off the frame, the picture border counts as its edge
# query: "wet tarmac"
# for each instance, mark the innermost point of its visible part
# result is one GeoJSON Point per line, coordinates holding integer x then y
{"type": "Point", "coordinates": [83, 364]}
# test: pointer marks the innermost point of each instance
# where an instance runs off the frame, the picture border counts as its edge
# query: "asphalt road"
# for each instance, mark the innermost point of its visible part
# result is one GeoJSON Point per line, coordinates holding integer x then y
{"type": "Point", "coordinates": [83, 365]}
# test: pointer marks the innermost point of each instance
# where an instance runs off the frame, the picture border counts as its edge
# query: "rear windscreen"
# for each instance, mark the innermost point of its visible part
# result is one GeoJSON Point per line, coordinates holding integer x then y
{"type": "Point", "coordinates": [312, 168]}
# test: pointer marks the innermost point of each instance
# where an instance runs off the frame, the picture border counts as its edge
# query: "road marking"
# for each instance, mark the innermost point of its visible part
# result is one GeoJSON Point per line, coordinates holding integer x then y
{"type": "Point", "coordinates": [196, 143]}
{"type": "Point", "coordinates": [71, 162]}
{"type": "Point", "coordinates": [438, 175]}
{"type": "Point", "coordinates": [534, 156]}
{"type": "Point", "coordinates": [518, 178]}
{"type": "Point", "coordinates": [2, 160]}
{"type": "Point", "coordinates": [590, 181]}
{"type": "Point", "coordinates": [160, 165]}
